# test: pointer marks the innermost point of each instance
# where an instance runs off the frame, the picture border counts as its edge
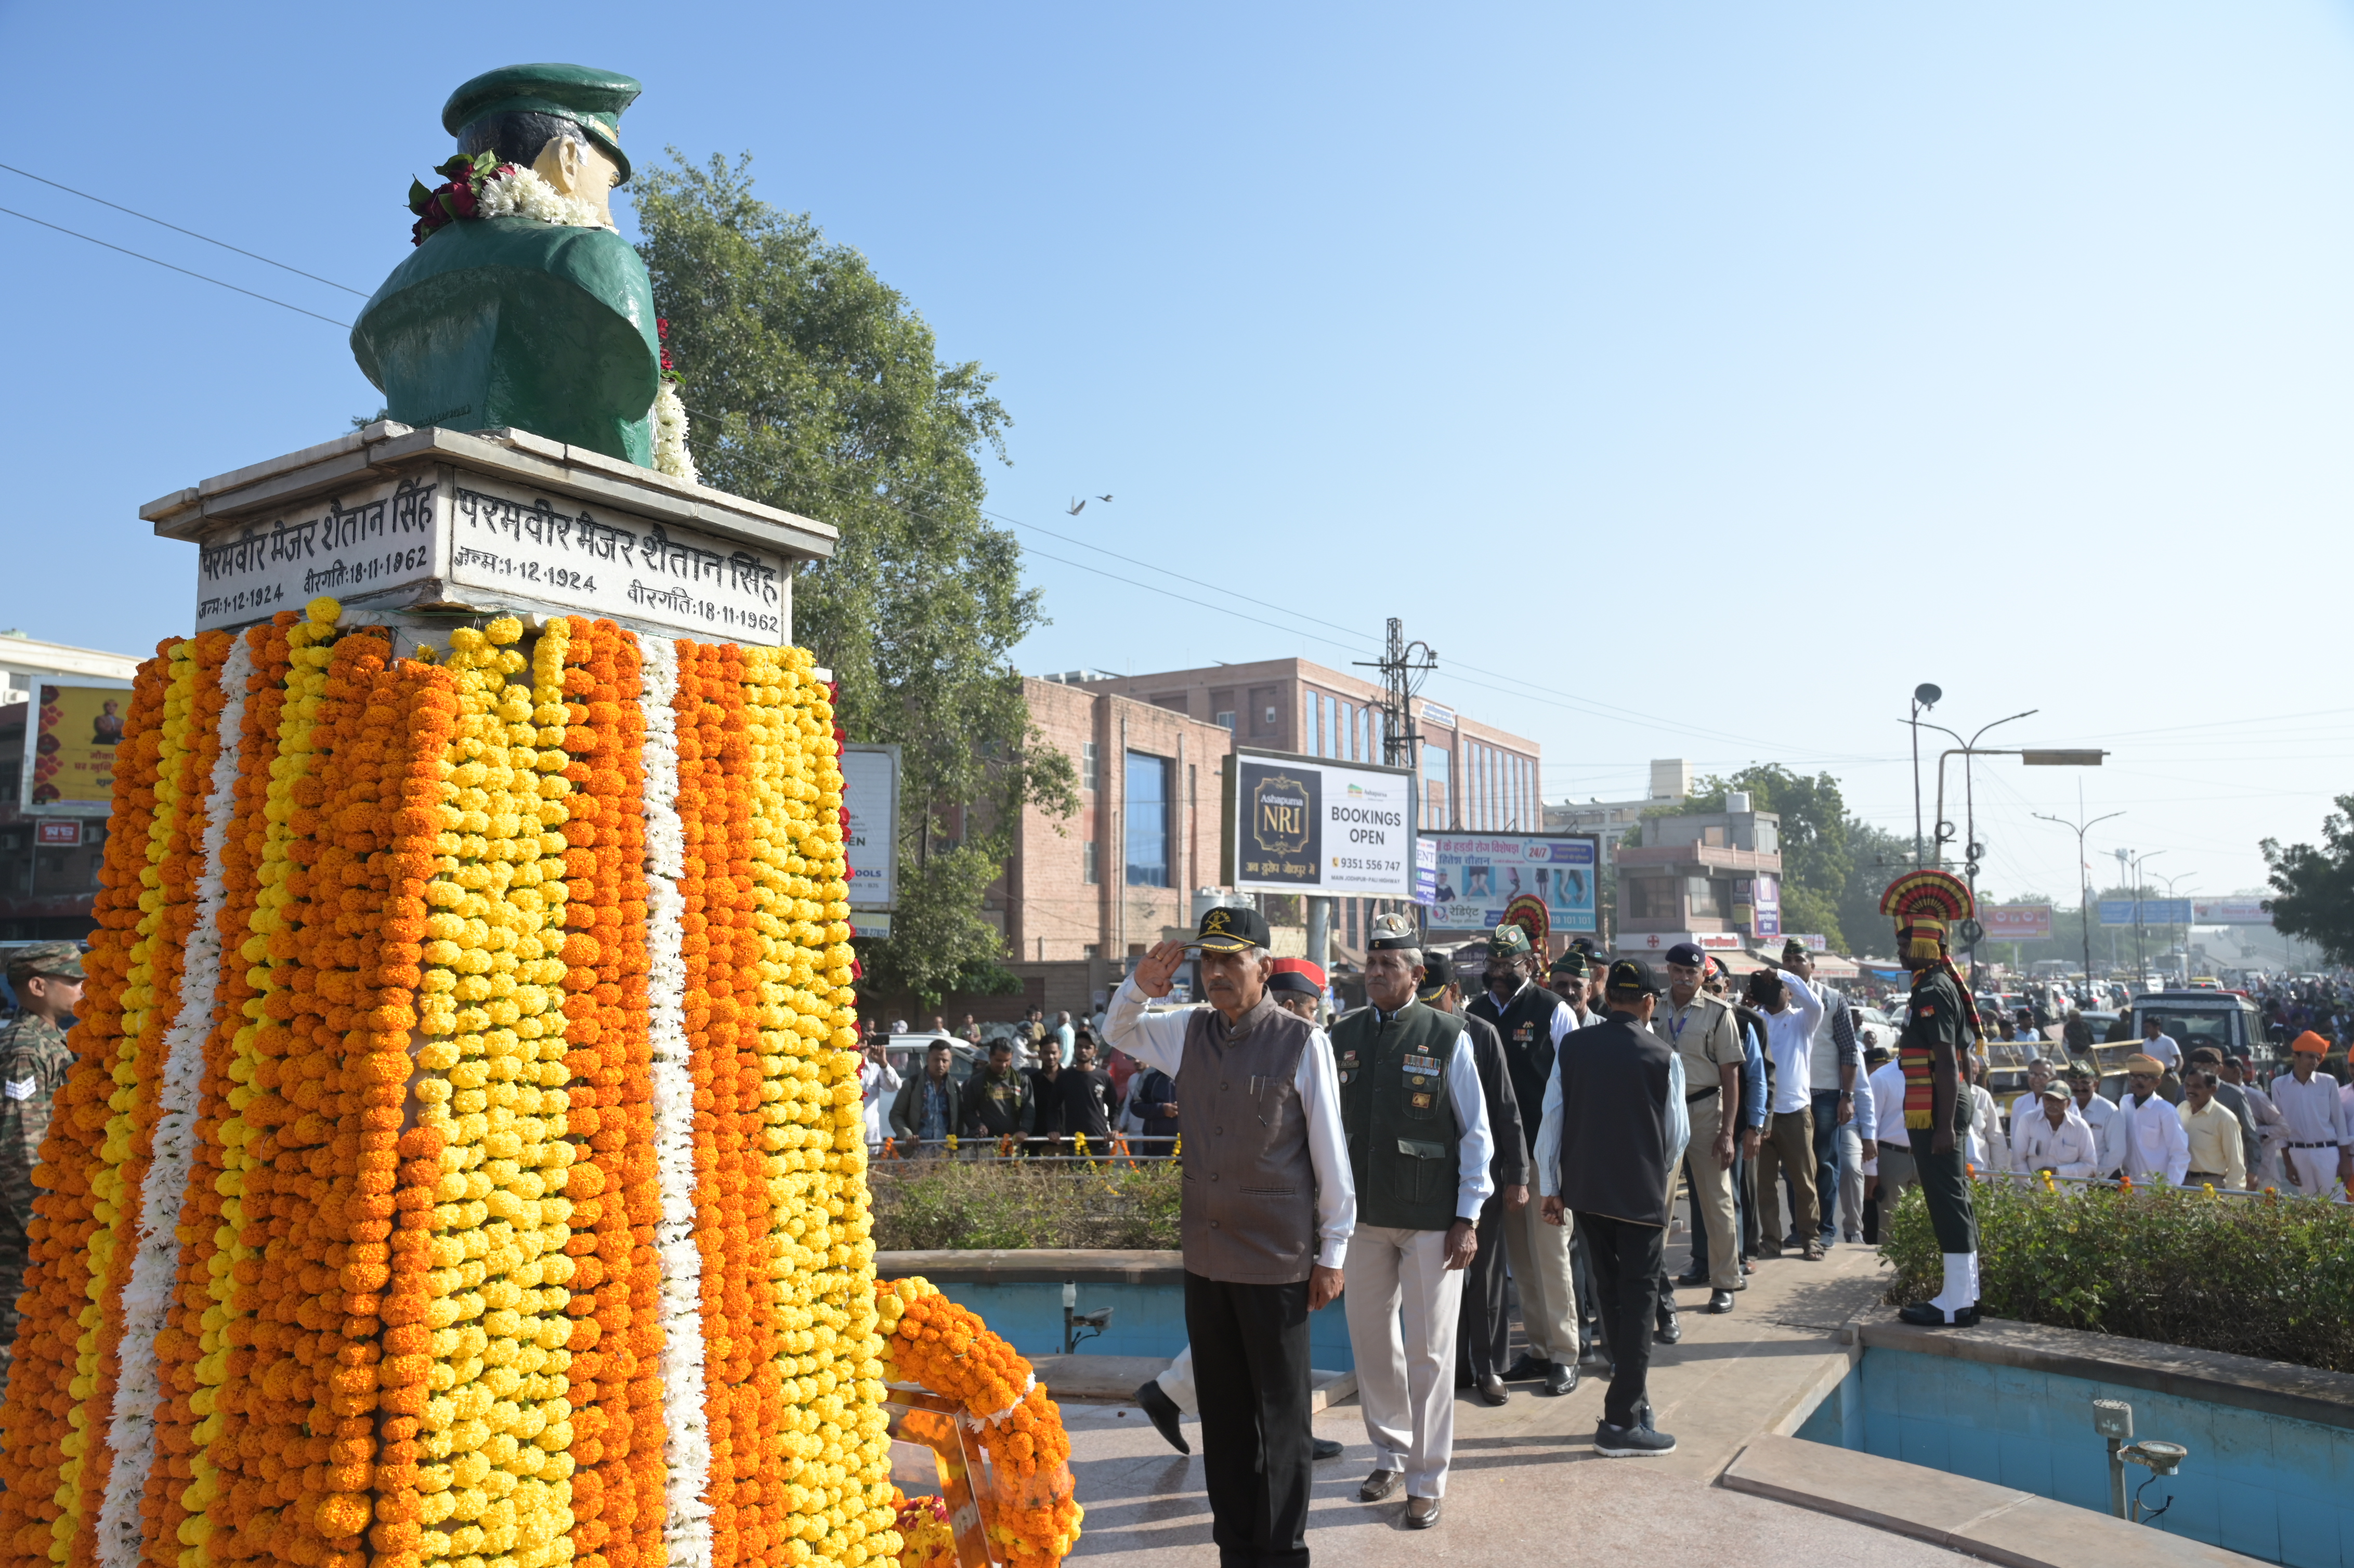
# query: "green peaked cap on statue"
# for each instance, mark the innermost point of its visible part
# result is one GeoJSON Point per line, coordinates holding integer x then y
{"type": "Point", "coordinates": [592, 100]}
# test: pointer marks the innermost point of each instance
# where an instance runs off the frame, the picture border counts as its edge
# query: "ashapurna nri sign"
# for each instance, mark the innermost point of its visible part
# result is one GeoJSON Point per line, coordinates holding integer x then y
{"type": "Point", "coordinates": [449, 538]}
{"type": "Point", "coordinates": [1299, 824]}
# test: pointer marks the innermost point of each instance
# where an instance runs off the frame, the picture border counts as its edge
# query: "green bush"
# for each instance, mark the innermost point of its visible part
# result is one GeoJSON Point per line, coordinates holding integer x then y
{"type": "Point", "coordinates": [922, 1205]}
{"type": "Point", "coordinates": [2267, 1276]}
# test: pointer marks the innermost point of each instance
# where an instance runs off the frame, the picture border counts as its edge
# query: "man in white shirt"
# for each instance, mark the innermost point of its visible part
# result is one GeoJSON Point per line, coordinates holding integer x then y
{"type": "Point", "coordinates": [1893, 1145]}
{"type": "Point", "coordinates": [2096, 1110]}
{"type": "Point", "coordinates": [2272, 1132]}
{"type": "Point", "coordinates": [2147, 1142]}
{"type": "Point", "coordinates": [876, 1079]}
{"type": "Point", "coordinates": [2158, 1046]}
{"type": "Point", "coordinates": [2022, 1107]}
{"type": "Point", "coordinates": [2320, 1151]}
{"type": "Point", "coordinates": [2048, 1135]}
{"type": "Point", "coordinates": [1792, 1014]}
{"type": "Point", "coordinates": [1268, 1211]}
{"type": "Point", "coordinates": [1410, 1099]}
{"type": "Point", "coordinates": [1065, 1036]}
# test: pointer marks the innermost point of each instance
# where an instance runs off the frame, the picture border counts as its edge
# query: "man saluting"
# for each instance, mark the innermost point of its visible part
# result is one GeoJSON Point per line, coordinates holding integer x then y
{"type": "Point", "coordinates": [1265, 1215]}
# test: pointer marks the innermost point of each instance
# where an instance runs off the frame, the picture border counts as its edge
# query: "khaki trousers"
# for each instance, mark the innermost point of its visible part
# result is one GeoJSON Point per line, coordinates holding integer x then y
{"type": "Point", "coordinates": [1789, 1149]}
{"type": "Point", "coordinates": [1711, 1193]}
{"type": "Point", "coordinates": [1540, 1258]}
{"type": "Point", "coordinates": [1398, 1280]}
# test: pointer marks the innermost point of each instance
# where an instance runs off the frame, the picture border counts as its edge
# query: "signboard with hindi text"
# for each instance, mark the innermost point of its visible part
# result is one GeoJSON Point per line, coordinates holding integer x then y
{"type": "Point", "coordinates": [2016, 922]}
{"type": "Point", "coordinates": [445, 534]}
{"type": "Point", "coordinates": [1301, 824]}
{"type": "Point", "coordinates": [2228, 912]}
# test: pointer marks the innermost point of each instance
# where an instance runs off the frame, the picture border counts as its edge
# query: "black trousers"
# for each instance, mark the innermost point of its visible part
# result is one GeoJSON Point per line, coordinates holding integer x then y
{"type": "Point", "coordinates": [1250, 1374]}
{"type": "Point", "coordinates": [1625, 1275]}
{"type": "Point", "coordinates": [1483, 1331]}
{"type": "Point", "coordinates": [1946, 1186]}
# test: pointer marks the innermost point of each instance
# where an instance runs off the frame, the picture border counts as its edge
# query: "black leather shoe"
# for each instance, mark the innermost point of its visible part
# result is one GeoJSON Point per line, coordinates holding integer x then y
{"type": "Point", "coordinates": [1379, 1485]}
{"type": "Point", "coordinates": [1691, 1279]}
{"type": "Point", "coordinates": [1720, 1300]}
{"type": "Point", "coordinates": [1421, 1513]}
{"type": "Point", "coordinates": [1559, 1379]}
{"type": "Point", "coordinates": [1668, 1331]}
{"type": "Point", "coordinates": [1528, 1369]}
{"type": "Point", "coordinates": [1164, 1412]}
{"type": "Point", "coordinates": [1492, 1391]}
{"type": "Point", "coordinates": [1323, 1448]}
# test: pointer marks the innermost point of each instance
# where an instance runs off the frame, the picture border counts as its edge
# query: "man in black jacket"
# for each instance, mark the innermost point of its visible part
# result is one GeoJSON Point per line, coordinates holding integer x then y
{"type": "Point", "coordinates": [997, 1099]}
{"type": "Point", "coordinates": [928, 1109]}
{"type": "Point", "coordinates": [1484, 1328]}
{"type": "Point", "coordinates": [1614, 1129]}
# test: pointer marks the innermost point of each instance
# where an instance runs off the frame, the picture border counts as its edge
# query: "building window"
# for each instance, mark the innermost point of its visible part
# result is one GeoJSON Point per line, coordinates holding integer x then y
{"type": "Point", "coordinates": [1710, 897]}
{"type": "Point", "coordinates": [1147, 779]}
{"type": "Point", "coordinates": [1090, 766]}
{"type": "Point", "coordinates": [1091, 952]}
{"type": "Point", "coordinates": [1435, 762]}
{"type": "Point", "coordinates": [1088, 863]}
{"type": "Point", "coordinates": [1650, 898]}
{"type": "Point", "coordinates": [1316, 732]}
{"type": "Point", "coordinates": [1226, 720]}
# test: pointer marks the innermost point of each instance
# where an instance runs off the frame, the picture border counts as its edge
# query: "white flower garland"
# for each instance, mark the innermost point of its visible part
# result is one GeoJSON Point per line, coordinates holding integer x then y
{"type": "Point", "coordinates": [686, 1447]}
{"type": "Point", "coordinates": [156, 1265]}
{"type": "Point", "coordinates": [670, 456]}
{"type": "Point", "coordinates": [520, 193]}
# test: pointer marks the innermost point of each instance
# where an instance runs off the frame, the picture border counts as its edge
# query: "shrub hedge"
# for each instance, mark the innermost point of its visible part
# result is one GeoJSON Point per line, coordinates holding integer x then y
{"type": "Point", "coordinates": [2270, 1277]}
{"type": "Point", "coordinates": [923, 1204]}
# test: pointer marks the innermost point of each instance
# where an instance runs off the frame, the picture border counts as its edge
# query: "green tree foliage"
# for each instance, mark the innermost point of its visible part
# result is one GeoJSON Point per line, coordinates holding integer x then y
{"type": "Point", "coordinates": [814, 387]}
{"type": "Point", "coordinates": [1818, 859]}
{"type": "Point", "coordinates": [2316, 885]}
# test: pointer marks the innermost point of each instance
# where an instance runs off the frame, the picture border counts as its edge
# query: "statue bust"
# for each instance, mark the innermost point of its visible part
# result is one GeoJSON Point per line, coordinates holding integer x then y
{"type": "Point", "coordinates": [516, 321]}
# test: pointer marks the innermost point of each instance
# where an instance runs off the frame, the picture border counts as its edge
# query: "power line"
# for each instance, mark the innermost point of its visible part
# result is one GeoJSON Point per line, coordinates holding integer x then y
{"type": "Point", "coordinates": [176, 228]}
{"type": "Point", "coordinates": [200, 277]}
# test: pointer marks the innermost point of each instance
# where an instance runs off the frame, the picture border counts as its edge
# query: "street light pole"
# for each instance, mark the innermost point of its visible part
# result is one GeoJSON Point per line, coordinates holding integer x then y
{"type": "Point", "coordinates": [1969, 789]}
{"type": "Point", "coordinates": [2169, 882]}
{"type": "Point", "coordinates": [2085, 876]}
{"type": "Point", "coordinates": [1925, 697]}
{"type": "Point", "coordinates": [2141, 965]}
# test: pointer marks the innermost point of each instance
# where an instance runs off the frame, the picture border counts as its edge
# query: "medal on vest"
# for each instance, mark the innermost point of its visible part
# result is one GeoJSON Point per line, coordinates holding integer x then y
{"type": "Point", "coordinates": [1420, 1073]}
{"type": "Point", "coordinates": [1348, 1065]}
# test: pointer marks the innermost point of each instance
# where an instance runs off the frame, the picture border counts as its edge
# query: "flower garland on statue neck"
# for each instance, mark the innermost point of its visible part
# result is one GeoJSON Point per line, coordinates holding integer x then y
{"type": "Point", "coordinates": [480, 186]}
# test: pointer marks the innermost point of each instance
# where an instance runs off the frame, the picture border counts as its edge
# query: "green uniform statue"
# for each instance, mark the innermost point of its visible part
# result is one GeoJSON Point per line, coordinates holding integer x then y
{"type": "Point", "coordinates": [515, 322]}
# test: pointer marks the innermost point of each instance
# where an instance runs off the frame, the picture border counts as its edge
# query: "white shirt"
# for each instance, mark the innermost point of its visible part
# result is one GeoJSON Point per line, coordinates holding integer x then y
{"type": "Point", "coordinates": [2098, 1115]}
{"type": "Point", "coordinates": [2312, 1111]}
{"type": "Point", "coordinates": [1791, 1041]}
{"type": "Point", "coordinates": [1887, 1087]}
{"type": "Point", "coordinates": [1548, 1149]}
{"type": "Point", "coordinates": [1866, 1125]}
{"type": "Point", "coordinates": [2025, 1105]}
{"type": "Point", "coordinates": [2164, 1049]}
{"type": "Point", "coordinates": [1984, 1134]}
{"type": "Point", "coordinates": [2146, 1141]}
{"type": "Point", "coordinates": [1158, 1040]}
{"type": "Point", "coordinates": [2070, 1149]}
{"type": "Point", "coordinates": [876, 1080]}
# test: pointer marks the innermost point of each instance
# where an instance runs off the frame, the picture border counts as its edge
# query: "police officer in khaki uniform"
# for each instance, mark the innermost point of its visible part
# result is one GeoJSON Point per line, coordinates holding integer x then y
{"type": "Point", "coordinates": [34, 1060]}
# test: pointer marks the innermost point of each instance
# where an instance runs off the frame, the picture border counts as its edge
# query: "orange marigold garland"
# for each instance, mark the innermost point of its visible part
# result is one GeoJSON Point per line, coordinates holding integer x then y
{"type": "Point", "coordinates": [1027, 1503]}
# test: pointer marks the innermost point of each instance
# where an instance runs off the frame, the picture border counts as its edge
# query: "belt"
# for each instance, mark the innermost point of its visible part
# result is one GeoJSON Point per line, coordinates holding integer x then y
{"type": "Point", "coordinates": [1695, 1099]}
{"type": "Point", "coordinates": [2203, 1176]}
{"type": "Point", "coordinates": [2313, 1146]}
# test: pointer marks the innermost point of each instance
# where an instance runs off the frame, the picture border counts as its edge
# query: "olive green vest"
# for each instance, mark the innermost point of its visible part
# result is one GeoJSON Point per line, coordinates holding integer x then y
{"type": "Point", "coordinates": [1400, 1119]}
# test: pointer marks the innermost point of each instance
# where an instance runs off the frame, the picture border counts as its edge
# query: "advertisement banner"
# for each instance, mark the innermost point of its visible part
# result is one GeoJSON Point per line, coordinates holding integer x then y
{"type": "Point", "coordinates": [2153, 911]}
{"type": "Point", "coordinates": [75, 733]}
{"type": "Point", "coordinates": [870, 792]}
{"type": "Point", "coordinates": [2228, 912]}
{"type": "Point", "coordinates": [1479, 875]}
{"type": "Point", "coordinates": [2016, 922]}
{"type": "Point", "coordinates": [1757, 903]}
{"type": "Point", "coordinates": [1301, 825]}
{"type": "Point", "coordinates": [1660, 941]}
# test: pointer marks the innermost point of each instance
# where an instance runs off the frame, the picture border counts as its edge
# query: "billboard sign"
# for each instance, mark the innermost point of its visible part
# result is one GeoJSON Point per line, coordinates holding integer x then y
{"type": "Point", "coordinates": [2153, 911]}
{"type": "Point", "coordinates": [1301, 824]}
{"type": "Point", "coordinates": [75, 730]}
{"type": "Point", "coordinates": [870, 793]}
{"type": "Point", "coordinates": [1479, 875]}
{"type": "Point", "coordinates": [2228, 912]}
{"type": "Point", "coordinates": [1660, 941]}
{"type": "Point", "coordinates": [2016, 922]}
{"type": "Point", "coordinates": [1757, 903]}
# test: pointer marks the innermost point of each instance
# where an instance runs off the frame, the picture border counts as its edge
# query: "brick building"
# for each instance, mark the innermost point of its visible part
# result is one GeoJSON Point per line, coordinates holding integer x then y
{"type": "Point", "coordinates": [1083, 895]}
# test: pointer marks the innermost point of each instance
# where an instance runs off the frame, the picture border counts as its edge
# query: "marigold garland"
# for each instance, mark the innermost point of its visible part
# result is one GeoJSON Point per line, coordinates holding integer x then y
{"type": "Point", "coordinates": [463, 1165]}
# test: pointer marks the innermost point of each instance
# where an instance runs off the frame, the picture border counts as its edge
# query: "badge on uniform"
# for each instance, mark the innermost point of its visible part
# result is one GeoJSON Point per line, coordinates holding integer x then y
{"type": "Point", "coordinates": [1928, 1010]}
{"type": "Point", "coordinates": [1428, 1065]}
{"type": "Point", "coordinates": [1348, 1058]}
{"type": "Point", "coordinates": [20, 1089]}
{"type": "Point", "coordinates": [1422, 1102]}
{"type": "Point", "coordinates": [1526, 1032]}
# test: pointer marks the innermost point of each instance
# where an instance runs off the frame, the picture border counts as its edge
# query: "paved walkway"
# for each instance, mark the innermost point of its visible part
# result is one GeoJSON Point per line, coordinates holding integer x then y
{"type": "Point", "coordinates": [1526, 1484]}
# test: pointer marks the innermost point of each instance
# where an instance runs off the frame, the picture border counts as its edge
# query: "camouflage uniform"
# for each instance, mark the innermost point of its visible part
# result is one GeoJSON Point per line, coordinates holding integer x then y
{"type": "Point", "coordinates": [33, 1064]}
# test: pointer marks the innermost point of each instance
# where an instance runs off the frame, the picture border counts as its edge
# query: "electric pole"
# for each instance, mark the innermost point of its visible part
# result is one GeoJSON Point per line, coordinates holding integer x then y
{"type": "Point", "coordinates": [2085, 874]}
{"type": "Point", "coordinates": [1403, 666]}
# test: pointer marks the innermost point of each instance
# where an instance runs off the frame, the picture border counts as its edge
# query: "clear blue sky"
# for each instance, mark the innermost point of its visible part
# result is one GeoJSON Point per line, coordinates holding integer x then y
{"type": "Point", "coordinates": [1720, 371]}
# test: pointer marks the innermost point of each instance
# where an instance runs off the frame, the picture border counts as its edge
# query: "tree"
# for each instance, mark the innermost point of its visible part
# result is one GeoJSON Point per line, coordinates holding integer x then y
{"type": "Point", "coordinates": [2316, 885]}
{"type": "Point", "coordinates": [814, 387]}
{"type": "Point", "coordinates": [1816, 858]}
